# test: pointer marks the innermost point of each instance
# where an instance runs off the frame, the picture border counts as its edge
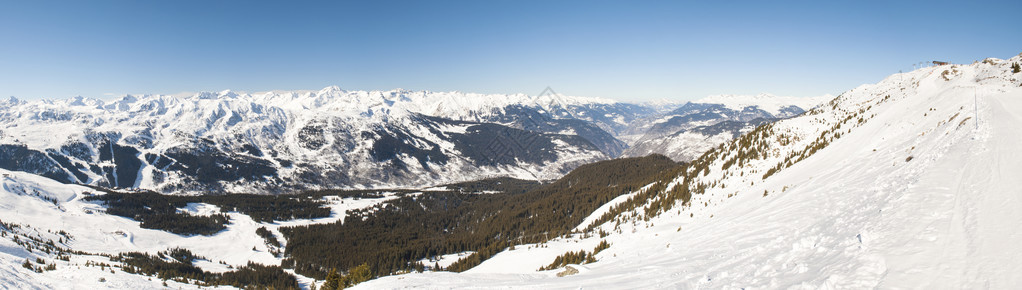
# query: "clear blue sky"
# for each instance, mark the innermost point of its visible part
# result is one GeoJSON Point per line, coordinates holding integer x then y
{"type": "Point", "coordinates": [626, 50]}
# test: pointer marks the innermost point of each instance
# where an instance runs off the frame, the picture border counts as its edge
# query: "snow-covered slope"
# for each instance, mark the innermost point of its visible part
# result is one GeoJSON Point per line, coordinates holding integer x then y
{"type": "Point", "coordinates": [899, 184]}
{"type": "Point", "coordinates": [280, 141]}
{"type": "Point", "coordinates": [42, 208]}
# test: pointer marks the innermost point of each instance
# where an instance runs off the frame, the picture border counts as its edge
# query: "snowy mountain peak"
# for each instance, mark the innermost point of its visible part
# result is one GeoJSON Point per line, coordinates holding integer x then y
{"type": "Point", "coordinates": [11, 101]}
{"type": "Point", "coordinates": [330, 89]}
{"type": "Point", "coordinates": [227, 94]}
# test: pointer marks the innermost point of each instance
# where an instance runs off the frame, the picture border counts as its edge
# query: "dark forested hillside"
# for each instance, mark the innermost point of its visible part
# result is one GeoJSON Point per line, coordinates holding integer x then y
{"type": "Point", "coordinates": [392, 236]}
{"type": "Point", "coordinates": [483, 216]}
{"type": "Point", "coordinates": [158, 211]}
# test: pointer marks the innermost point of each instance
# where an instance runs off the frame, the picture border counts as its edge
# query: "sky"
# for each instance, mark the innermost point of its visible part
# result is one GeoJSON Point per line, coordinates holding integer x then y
{"type": "Point", "coordinates": [630, 51]}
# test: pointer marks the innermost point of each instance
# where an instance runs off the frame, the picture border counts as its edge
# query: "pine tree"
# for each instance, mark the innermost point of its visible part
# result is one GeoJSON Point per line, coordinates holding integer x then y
{"type": "Point", "coordinates": [358, 275]}
{"type": "Point", "coordinates": [419, 267]}
{"type": "Point", "coordinates": [1015, 68]}
{"type": "Point", "coordinates": [333, 281]}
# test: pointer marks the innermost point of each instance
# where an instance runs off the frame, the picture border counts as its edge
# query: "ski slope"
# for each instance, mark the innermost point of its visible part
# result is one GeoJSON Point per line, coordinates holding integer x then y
{"type": "Point", "coordinates": [858, 213]}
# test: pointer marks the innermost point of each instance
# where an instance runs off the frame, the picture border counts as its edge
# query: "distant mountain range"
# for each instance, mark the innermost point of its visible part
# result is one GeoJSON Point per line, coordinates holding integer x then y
{"type": "Point", "coordinates": [284, 141]}
{"type": "Point", "coordinates": [688, 131]}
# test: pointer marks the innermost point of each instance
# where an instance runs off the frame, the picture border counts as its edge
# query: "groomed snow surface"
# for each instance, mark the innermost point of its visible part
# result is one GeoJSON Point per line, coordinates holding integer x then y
{"type": "Point", "coordinates": [854, 215]}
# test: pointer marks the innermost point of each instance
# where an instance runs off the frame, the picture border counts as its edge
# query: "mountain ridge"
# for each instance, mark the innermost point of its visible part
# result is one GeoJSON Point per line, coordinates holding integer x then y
{"type": "Point", "coordinates": [280, 139]}
{"type": "Point", "coordinates": [270, 141]}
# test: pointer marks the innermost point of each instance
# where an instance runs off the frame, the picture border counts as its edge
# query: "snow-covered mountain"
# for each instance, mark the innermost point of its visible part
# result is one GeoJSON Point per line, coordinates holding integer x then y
{"type": "Point", "coordinates": [291, 140]}
{"type": "Point", "coordinates": [268, 142]}
{"type": "Point", "coordinates": [907, 183]}
{"type": "Point", "coordinates": [778, 106]}
{"type": "Point", "coordinates": [689, 130]}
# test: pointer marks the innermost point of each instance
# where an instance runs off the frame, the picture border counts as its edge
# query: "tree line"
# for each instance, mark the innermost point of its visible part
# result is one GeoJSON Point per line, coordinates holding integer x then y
{"type": "Point", "coordinates": [393, 236]}
{"type": "Point", "coordinates": [158, 211]}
